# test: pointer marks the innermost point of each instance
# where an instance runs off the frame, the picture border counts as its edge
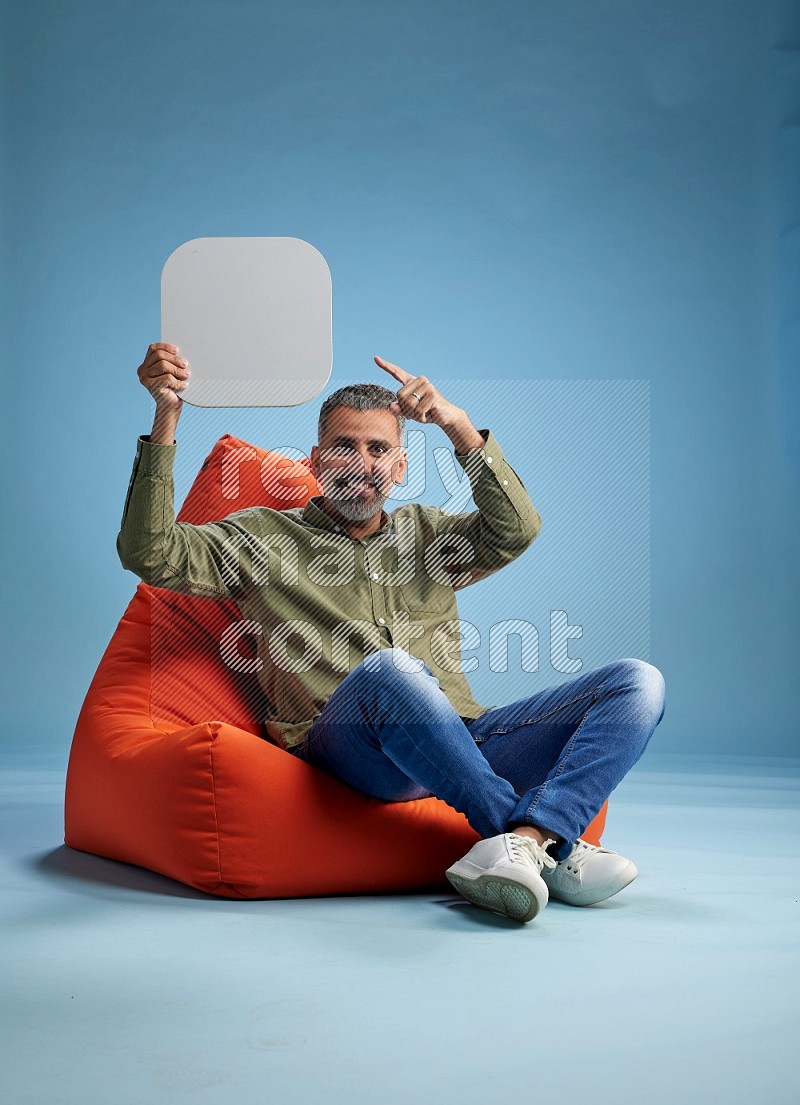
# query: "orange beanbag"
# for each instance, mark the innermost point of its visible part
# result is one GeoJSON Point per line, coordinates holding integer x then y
{"type": "Point", "coordinates": [169, 768]}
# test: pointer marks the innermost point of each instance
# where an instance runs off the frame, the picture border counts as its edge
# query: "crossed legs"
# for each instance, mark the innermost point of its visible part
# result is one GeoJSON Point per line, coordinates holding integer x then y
{"type": "Point", "coordinates": [543, 764]}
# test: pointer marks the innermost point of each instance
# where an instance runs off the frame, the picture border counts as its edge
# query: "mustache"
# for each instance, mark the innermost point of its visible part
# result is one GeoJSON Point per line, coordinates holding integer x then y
{"type": "Point", "coordinates": [351, 481]}
{"type": "Point", "coordinates": [355, 481]}
{"type": "Point", "coordinates": [346, 486]}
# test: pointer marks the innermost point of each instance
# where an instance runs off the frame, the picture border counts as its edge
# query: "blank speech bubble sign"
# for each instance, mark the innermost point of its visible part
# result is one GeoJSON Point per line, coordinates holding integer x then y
{"type": "Point", "coordinates": [253, 318]}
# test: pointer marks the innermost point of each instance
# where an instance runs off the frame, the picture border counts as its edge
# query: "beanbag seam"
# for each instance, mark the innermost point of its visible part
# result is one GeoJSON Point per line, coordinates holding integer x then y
{"type": "Point", "coordinates": [213, 729]}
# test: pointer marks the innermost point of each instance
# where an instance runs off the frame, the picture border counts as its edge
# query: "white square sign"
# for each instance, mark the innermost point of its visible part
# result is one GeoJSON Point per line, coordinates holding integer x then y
{"type": "Point", "coordinates": [253, 318]}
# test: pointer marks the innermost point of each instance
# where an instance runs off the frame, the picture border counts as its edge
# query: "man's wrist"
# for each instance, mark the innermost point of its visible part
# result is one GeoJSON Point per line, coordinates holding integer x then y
{"type": "Point", "coordinates": [464, 436]}
{"type": "Point", "coordinates": [165, 424]}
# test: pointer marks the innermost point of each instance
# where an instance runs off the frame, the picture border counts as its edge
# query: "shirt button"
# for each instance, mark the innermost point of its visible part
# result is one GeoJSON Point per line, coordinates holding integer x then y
{"type": "Point", "coordinates": [382, 621]}
{"type": "Point", "coordinates": [505, 481]}
{"type": "Point", "coordinates": [374, 575]}
{"type": "Point", "coordinates": [488, 460]}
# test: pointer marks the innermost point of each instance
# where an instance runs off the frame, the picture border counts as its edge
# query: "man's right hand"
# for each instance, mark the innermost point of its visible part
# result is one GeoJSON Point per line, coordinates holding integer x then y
{"type": "Point", "coordinates": [164, 374]}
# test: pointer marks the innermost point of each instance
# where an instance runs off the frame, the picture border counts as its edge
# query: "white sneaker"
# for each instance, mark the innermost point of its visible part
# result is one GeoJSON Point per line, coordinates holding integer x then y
{"type": "Point", "coordinates": [502, 873]}
{"type": "Point", "coordinates": [589, 874]}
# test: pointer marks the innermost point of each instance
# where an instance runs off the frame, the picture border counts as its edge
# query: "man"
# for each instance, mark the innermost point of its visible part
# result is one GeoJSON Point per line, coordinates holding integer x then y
{"type": "Point", "coordinates": [401, 723]}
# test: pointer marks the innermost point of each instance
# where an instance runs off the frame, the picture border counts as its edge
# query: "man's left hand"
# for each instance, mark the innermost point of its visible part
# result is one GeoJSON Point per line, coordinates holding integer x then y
{"type": "Point", "coordinates": [419, 400]}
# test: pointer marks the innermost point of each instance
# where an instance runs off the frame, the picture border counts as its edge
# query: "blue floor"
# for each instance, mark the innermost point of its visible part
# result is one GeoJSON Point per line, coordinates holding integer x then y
{"type": "Point", "coordinates": [122, 987]}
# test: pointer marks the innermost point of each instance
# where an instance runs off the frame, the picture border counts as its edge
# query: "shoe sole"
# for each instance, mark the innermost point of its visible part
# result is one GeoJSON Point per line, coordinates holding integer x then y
{"type": "Point", "coordinates": [500, 895]}
{"type": "Point", "coordinates": [598, 893]}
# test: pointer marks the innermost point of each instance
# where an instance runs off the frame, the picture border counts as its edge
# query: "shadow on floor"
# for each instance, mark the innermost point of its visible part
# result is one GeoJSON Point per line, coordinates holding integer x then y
{"type": "Point", "coordinates": [102, 877]}
{"type": "Point", "coordinates": [66, 863]}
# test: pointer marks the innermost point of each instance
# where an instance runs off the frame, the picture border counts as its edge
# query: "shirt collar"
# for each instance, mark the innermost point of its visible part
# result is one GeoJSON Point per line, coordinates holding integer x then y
{"type": "Point", "coordinates": [316, 516]}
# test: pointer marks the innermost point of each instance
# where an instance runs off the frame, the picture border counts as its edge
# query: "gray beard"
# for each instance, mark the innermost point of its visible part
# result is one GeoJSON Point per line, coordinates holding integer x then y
{"type": "Point", "coordinates": [357, 510]}
{"type": "Point", "coordinates": [354, 508]}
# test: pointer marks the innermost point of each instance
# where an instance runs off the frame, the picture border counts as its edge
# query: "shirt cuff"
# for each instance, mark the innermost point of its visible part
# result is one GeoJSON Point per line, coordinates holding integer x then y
{"type": "Point", "coordinates": [153, 459]}
{"type": "Point", "coordinates": [491, 453]}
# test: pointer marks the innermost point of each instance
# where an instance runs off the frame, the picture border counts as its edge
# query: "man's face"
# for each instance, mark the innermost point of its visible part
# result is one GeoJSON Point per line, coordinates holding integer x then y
{"type": "Point", "coordinates": [359, 460]}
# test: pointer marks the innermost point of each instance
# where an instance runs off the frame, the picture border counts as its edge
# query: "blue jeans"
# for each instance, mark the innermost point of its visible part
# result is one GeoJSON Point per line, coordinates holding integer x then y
{"type": "Point", "coordinates": [549, 760]}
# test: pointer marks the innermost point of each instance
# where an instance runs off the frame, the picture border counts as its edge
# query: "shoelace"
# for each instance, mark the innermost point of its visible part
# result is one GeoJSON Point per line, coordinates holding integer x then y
{"type": "Point", "coordinates": [528, 850]}
{"type": "Point", "coordinates": [581, 853]}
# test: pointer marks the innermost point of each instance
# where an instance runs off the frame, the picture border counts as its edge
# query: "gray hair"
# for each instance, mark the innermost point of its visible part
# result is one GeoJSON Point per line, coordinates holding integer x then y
{"type": "Point", "coordinates": [360, 397]}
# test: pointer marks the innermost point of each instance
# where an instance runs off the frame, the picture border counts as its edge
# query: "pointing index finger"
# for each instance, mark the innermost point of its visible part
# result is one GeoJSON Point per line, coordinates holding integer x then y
{"type": "Point", "coordinates": [394, 370]}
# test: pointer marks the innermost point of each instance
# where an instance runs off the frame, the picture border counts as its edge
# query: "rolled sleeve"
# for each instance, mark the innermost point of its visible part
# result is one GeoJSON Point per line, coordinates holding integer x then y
{"type": "Point", "coordinates": [505, 522]}
{"type": "Point", "coordinates": [195, 560]}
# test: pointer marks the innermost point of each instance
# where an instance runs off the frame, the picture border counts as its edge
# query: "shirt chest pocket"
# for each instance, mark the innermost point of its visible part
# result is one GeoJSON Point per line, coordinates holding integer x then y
{"type": "Point", "coordinates": [424, 595]}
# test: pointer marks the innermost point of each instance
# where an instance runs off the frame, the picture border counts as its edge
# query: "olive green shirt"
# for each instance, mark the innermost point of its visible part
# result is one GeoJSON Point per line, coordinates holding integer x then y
{"type": "Point", "coordinates": [317, 600]}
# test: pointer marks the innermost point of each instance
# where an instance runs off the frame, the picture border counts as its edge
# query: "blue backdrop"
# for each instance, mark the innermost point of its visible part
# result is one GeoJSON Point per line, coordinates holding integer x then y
{"type": "Point", "coordinates": [594, 195]}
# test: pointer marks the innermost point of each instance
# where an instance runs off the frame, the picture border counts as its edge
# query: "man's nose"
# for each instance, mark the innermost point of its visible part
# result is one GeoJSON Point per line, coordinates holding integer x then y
{"type": "Point", "coordinates": [360, 462]}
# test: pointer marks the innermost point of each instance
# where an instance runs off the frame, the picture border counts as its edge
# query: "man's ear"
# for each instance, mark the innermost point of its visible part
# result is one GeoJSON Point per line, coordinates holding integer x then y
{"type": "Point", "coordinates": [314, 458]}
{"type": "Point", "coordinates": [399, 464]}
